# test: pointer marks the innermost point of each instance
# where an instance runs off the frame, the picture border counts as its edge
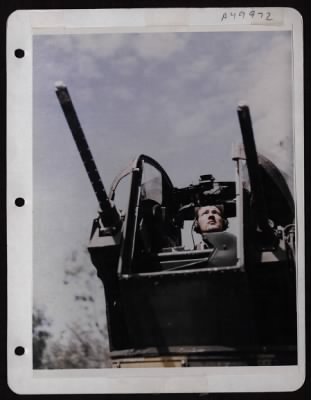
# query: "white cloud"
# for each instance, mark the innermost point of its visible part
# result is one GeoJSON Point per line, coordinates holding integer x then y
{"type": "Point", "coordinates": [62, 43]}
{"type": "Point", "coordinates": [126, 65]}
{"type": "Point", "coordinates": [101, 45]}
{"type": "Point", "coordinates": [88, 66]}
{"type": "Point", "coordinates": [159, 46]}
{"type": "Point", "coordinates": [195, 70]}
{"type": "Point", "coordinates": [123, 93]}
{"type": "Point", "coordinates": [268, 91]}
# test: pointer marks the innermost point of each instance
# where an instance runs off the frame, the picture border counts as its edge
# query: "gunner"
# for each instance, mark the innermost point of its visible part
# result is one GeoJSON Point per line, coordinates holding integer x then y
{"type": "Point", "coordinates": [209, 219]}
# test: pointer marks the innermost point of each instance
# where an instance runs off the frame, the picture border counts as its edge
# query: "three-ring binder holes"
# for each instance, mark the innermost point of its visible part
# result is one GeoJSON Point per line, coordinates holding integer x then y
{"type": "Point", "coordinates": [19, 351]}
{"type": "Point", "coordinates": [19, 53]}
{"type": "Point", "coordinates": [19, 202]}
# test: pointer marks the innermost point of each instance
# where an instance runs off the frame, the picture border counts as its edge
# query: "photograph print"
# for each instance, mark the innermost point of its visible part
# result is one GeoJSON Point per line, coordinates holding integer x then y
{"type": "Point", "coordinates": [164, 200]}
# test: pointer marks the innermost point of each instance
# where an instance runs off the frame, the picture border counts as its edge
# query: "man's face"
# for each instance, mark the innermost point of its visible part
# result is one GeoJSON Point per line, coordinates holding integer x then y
{"type": "Point", "coordinates": [210, 219]}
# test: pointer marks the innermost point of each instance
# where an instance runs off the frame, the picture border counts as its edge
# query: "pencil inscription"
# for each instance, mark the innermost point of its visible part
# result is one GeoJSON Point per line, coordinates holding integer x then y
{"type": "Point", "coordinates": [241, 15]}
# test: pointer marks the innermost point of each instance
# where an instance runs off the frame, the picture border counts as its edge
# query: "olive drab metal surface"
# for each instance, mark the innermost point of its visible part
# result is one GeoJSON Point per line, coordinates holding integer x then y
{"type": "Point", "coordinates": [231, 302]}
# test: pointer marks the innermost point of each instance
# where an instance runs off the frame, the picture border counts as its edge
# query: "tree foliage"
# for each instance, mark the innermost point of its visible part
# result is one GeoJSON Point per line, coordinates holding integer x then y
{"type": "Point", "coordinates": [82, 343]}
{"type": "Point", "coordinates": [82, 350]}
{"type": "Point", "coordinates": [40, 336]}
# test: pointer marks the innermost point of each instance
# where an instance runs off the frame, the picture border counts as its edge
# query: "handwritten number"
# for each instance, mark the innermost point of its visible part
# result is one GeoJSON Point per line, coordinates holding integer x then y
{"type": "Point", "coordinates": [242, 14]}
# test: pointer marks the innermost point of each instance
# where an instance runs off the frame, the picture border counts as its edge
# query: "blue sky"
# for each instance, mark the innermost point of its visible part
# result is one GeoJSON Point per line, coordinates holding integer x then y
{"type": "Point", "coordinates": [172, 96]}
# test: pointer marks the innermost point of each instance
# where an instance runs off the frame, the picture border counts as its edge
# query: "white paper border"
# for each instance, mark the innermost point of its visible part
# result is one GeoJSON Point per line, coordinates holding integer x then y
{"type": "Point", "coordinates": [22, 25]}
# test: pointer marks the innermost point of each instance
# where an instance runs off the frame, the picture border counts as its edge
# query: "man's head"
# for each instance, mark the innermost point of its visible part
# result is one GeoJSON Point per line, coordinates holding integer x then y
{"type": "Point", "coordinates": [210, 219]}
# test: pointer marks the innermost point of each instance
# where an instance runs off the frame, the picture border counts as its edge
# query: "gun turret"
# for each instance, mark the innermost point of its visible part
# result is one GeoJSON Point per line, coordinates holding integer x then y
{"type": "Point", "coordinates": [108, 212]}
{"type": "Point", "coordinates": [258, 195]}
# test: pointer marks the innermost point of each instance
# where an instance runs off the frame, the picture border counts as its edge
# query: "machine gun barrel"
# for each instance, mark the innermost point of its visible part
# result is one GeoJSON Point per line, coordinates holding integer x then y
{"type": "Point", "coordinates": [253, 169]}
{"type": "Point", "coordinates": [109, 215]}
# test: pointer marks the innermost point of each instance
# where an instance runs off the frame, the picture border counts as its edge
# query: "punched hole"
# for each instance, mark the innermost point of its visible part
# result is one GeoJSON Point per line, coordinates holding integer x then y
{"type": "Point", "coordinates": [19, 350]}
{"type": "Point", "coordinates": [19, 53]}
{"type": "Point", "coordinates": [19, 202]}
